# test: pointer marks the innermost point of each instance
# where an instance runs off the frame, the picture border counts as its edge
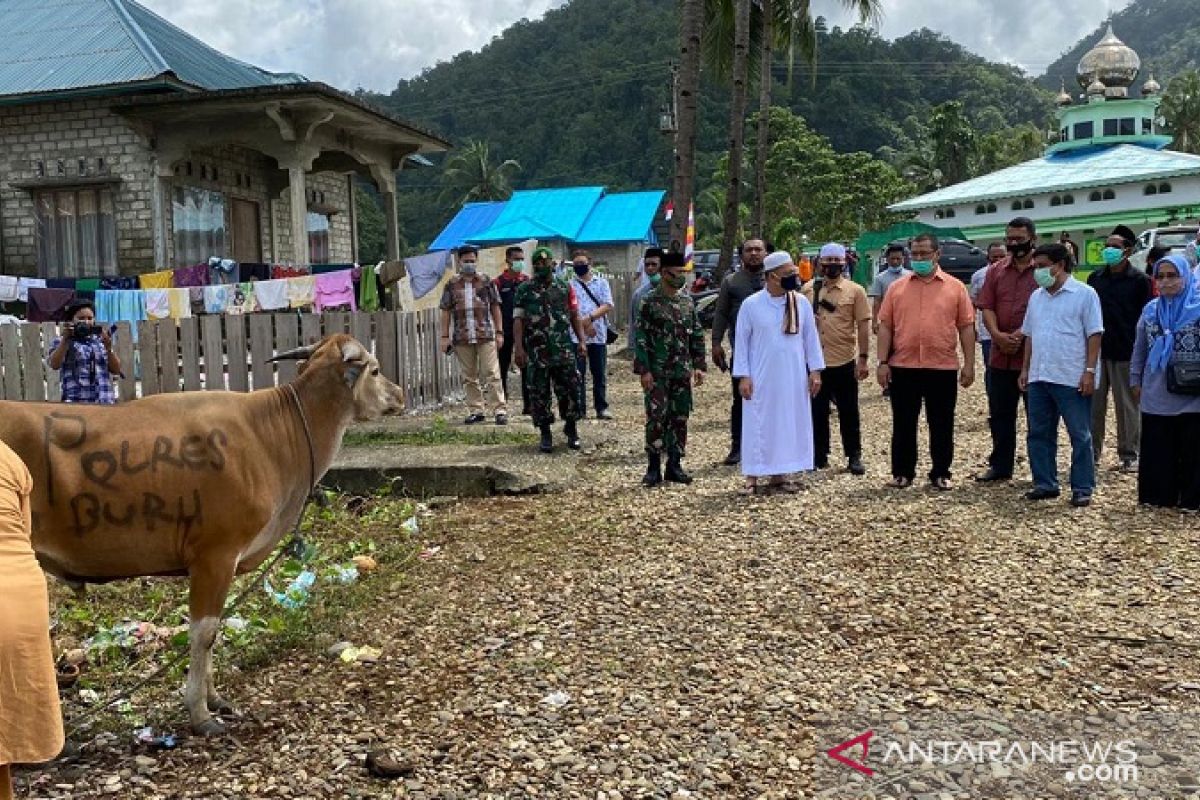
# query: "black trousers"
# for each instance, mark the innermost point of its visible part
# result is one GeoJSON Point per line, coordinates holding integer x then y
{"type": "Point", "coordinates": [839, 386]}
{"type": "Point", "coordinates": [1004, 395]}
{"type": "Point", "coordinates": [504, 354]}
{"type": "Point", "coordinates": [1169, 467]}
{"type": "Point", "coordinates": [735, 418]}
{"type": "Point", "coordinates": [937, 390]}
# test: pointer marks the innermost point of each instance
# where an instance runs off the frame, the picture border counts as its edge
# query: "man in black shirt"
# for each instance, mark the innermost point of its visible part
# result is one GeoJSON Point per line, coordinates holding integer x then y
{"type": "Point", "coordinates": [734, 289]}
{"type": "Point", "coordinates": [1124, 292]}
{"type": "Point", "coordinates": [507, 283]}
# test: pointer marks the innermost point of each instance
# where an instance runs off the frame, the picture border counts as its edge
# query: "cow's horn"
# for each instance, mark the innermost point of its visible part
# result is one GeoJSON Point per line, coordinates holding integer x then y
{"type": "Point", "coordinates": [295, 354]}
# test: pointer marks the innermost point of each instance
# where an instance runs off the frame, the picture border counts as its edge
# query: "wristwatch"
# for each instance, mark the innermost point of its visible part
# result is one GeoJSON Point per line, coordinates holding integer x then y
{"type": "Point", "coordinates": [1090, 369]}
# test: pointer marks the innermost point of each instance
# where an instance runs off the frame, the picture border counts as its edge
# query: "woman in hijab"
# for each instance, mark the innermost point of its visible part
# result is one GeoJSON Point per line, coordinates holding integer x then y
{"type": "Point", "coordinates": [1164, 373]}
{"type": "Point", "coordinates": [31, 729]}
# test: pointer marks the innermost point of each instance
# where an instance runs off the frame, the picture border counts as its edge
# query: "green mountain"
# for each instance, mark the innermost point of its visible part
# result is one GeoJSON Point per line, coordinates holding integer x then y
{"type": "Point", "coordinates": [1165, 33]}
{"type": "Point", "coordinates": [575, 98]}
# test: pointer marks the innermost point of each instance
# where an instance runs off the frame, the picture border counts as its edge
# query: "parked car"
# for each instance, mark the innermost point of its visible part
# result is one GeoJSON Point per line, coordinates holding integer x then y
{"type": "Point", "coordinates": [961, 258]}
{"type": "Point", "coordinates": [1176, 237]}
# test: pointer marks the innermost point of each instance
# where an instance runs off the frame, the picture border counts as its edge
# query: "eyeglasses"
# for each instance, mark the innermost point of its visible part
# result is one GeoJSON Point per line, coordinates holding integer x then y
{"type": "Point", "coordinates": [1168, 277]}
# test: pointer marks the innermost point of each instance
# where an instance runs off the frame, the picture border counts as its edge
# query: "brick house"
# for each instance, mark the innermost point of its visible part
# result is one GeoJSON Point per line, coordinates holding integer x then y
{"type": "Point", "coordinates": [127, 145]}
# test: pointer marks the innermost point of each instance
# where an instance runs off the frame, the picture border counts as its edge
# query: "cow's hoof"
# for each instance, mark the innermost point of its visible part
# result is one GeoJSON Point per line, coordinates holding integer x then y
{"type": "Point", "coordinates": [209, 727]}
{"type": "Point", "coordinates": [219, 705]}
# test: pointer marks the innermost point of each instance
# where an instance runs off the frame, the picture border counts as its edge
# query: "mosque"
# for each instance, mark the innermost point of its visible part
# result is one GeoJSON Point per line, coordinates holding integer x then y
{"type": "Point", "coordinates": [1108, 165]}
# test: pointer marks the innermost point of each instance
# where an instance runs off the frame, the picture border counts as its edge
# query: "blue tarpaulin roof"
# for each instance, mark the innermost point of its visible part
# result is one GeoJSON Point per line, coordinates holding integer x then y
{"type": "Point", "coordinates": [549, 213]}
{"type": "Point", "coordinates": [624, 217]}
{"type": "Point", "coordinates": [472, 219]}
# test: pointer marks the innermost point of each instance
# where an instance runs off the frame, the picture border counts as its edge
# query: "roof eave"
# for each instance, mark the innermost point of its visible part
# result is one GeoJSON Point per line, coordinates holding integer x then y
{"type": "Point", "coordinates": [165, 81]}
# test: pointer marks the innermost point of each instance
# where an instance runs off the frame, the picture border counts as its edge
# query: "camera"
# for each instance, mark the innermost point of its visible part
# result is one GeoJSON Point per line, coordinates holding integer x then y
{"type": "Point", "coordinates": [84, 330]}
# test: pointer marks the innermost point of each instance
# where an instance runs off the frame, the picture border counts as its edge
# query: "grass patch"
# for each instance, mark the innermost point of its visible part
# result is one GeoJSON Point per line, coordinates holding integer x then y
{"type": "Point", "coordinates": [440, 433]}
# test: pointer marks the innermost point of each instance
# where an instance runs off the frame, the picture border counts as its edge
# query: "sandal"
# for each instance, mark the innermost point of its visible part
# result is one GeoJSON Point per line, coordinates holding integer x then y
{"type": "Point", "coordinates": [786, 487]}
{"type": "Point", "coordinates": [942, 484]}
{"type": "Point", "coordinates": [899, 482]}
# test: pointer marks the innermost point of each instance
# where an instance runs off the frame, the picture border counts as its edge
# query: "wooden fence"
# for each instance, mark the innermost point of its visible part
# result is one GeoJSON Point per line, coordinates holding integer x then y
{"type": "Point", "coordinates": [231, 351]}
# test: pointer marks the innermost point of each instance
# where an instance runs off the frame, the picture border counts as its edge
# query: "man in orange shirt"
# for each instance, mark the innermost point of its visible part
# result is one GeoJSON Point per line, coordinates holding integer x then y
{"type": "Point", "coordinates": [924, 317]}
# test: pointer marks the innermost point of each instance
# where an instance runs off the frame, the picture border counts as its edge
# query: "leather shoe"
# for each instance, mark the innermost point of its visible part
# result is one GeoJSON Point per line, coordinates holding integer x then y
{"type": "Point", "coordinates": [856, 466]}
{"type": "Point", "coordinates": [992, 475]}
{"type": "Point", "coordinates": [1081, 500]}
{"type": "Point", "coordinates": [1041, 494]}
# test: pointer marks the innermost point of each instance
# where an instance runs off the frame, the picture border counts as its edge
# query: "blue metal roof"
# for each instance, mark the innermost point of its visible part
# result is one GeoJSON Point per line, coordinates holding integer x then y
{"type": "Point", "coordinates": [1108, 166]}
{"type": "Point", "coordinates": [624, 217]}
{"type": "Point", "coordinates": [472, 219]}
{"type": "Point", "coordinates": [63, 45]}
{"type": "Point", "coordinates": [543, 214]}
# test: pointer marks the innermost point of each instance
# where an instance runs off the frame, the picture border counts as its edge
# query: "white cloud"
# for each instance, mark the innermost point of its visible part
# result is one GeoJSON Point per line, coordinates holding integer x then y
{"type": "Point", "coordinates": [374, 43]}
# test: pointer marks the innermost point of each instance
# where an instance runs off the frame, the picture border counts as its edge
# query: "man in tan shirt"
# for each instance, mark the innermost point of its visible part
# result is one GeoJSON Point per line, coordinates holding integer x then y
{"type": "Point", "coordinates": [844, 323]}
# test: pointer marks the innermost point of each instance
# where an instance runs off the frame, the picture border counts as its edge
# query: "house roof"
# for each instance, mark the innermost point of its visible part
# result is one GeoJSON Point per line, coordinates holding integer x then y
{"type": "Point", "coordinates": [542, 214]}
{"type": "Point", "coordinates": [472, 219]}
{"type": "Point", "coordinates": [54, 46]}
{"type": "Point", "coordinates": [623, 217]}
{"type": "Point", "coordinates": [1108, 166]}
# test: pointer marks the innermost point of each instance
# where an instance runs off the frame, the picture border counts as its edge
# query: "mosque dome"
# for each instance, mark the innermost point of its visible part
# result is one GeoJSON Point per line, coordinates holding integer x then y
{"type": "Point", "coordinates": [1151, 87]}
{"type": "Point", "coordinates": [1063, 98]}
{"type": "Point", "coordinates": [1111, 63]}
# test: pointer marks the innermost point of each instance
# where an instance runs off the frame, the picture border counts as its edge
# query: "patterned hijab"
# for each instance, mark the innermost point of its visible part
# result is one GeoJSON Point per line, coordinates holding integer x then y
{"type": "Point", "coordinates": [1172, 313]}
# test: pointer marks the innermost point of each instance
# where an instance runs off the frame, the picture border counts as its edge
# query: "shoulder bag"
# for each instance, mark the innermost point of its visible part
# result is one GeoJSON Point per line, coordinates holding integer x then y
{"type": "Point", "coordinates": [611, 336]}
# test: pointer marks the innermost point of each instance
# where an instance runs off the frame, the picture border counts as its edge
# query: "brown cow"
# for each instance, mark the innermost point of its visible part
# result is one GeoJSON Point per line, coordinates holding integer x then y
{"type": "Point", "coordinates": [202, 484]}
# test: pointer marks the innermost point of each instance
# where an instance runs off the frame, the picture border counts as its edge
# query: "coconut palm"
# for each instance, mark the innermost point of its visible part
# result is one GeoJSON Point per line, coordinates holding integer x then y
{"type": "Point", "coordinates": [1181, 109]}
{"type": "Point", "coordinates": [691, 30]}
{"type": "Point", "coordinates": [471, 175]}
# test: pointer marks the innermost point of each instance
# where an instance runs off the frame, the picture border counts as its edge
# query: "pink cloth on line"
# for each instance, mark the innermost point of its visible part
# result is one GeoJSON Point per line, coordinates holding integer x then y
{"type": "Point", "coordinates": [335, 289]}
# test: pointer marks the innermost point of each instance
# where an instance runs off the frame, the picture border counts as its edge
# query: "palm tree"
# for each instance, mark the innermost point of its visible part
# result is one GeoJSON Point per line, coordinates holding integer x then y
{"type": "Point", "coordinates": [953, 139]}
{"type": "Point", "coordinates": [470, 175]}
{"type": "Point", "coordinates": [1181, 109]}
{"type": "Point", "coordinates": [691, 29]}
{"type": "Point", "coordinates": [737, 135]}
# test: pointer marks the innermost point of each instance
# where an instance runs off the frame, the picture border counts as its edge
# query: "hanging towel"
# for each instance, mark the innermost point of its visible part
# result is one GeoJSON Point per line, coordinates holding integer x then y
{"type": "Point", "coordinates": [25, 284]}
{"type": "Point", "coordinates": [118, 284]}
{"type": "Point", "coordinates": [158, 303]}
{"type": "Point", "coordinates": [335, 289]}
{"type": "Point", "coordinates": [157, 280]}
{"type": "Point", "coordinates": [107, 306]}
{"type": "Point", "coordinates": [368, 290]}
{"type": "Point", "coordinates": [10, 288]}
{"type": "Point", "coordinates": [195, 275]}
{"type": "Point", "coordinates": [280, 271]}
{"type": "Point", "coordinates": [254, 272]}
{"type": "Point", "coordinates": [131, 306]}
{"type": "Point", "coordinates": [302, 291]}
{"type": "Point", "coordinates": [179, 303]}
{"type": "Point", "coordinates": [87, 284]}
{"type": "Point", "coordinates": [271, 295]}
{"type": "Point", "coordinates": [241, 299]}
{"type": "Point", "coordinates": [48, 305]}
{"type": "Point", "coordinates": [426, 271]}
{"type": "Point", "coordinates": [216, 299]}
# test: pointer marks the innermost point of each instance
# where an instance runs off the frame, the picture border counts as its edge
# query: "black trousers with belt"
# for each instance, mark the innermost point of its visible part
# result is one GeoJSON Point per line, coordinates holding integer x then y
{"type": "Point", "coordinates": [1004, 397]}
{"type": "Point", "coordinates": [937, 390]}
{"type": "Point", "coordinates": [839, 386]}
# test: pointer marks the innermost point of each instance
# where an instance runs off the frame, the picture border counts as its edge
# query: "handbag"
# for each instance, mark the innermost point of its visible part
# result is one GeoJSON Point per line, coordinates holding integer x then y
{"type": "Point", "coordinates": [1183, 378]}
{"type": "Point", "coordinates": [611, 336]}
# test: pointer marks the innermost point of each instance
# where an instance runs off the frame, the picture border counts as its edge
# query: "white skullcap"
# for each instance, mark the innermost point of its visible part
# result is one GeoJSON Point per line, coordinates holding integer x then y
{"type": "Point", "coordinates": [780, 258]}
{"type": "Point", "coordinates": [833, 250]}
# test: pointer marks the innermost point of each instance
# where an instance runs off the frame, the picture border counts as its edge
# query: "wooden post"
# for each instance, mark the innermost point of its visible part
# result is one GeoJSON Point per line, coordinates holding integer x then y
{"type": "Point", "coordinates": [287, 337]}
{"type": "Point", "coordinates": [127, 382]}
{"type": "Point", "coordinates": [261, 339]}
{"type": "Point", "coordinates": [148, 355]}
{"type": "Point", "coordinates": [168, 355]}
{"type": "Point", "coordinates": [189, 348]}
{"type": "Point", "coordinates": [236, 352]}
{"type": "Point", "coordinates": [32, 354]}
{"type": "Point", "coordinates": [214, 352]}
{"type": "Point", "coordinates": [10, 359]}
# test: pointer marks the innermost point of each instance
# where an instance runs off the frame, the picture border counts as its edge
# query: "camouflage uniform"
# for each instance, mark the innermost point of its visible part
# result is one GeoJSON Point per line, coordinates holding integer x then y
{"type": "Point", "coordinates": [669, 345]}
{"type": "Point", "coordinates": [545, 311]}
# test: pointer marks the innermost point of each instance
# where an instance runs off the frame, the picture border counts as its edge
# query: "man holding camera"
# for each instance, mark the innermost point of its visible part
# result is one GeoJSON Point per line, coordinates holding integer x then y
{"type": "Point", "coordinates": [83, 353]}
{"type": "Point", "coordinates": [844, 325]}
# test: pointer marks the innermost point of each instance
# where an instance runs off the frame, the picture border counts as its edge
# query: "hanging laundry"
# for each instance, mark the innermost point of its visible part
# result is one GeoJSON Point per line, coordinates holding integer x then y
{"type": "Point", "coordinates": [324, 269]}
{"type": "Point", "coordinates": [302, 291]}
{"type": "Point", "coordinates": [241, 299]}
{"type": "Point", "coordinates": [271, 295]}
{"type": "Point", "coordinates": [48, 305]}
{"type": "Point", "coordinates": [25, 284]}
{"type": "Point", "coordinates": [254, 272]}
{"type": "Point", "coordinates": [87, 284]}
{"type": "Point", "coordinates": [196, 298]}
{"type": "Point", "coordinates": [158, 303]}
{"type": "Point", "coordinates": [390, 271]}
{"type": "Point", "coordinates": [157, 280]}
{"type": "Point", "coordinates": [426, 271]}
{"type": "Point", "coordinates": [281, 271]}
{"type": "Point", "coordinates": [195, 275]}
{"type": "Point", "coordinates": [60, 283]}
{"type": "Point", "coordinates": [222, 271]}
{"type": "Point", "coordinates": [10, 288]}
{"type": "Point", "coordinates": [216, 299]}
{"type": "Point", "coordinates": [120, 305]}
{"type": "Point", "coordinates": [119, 283]}
{"type": "Point", "coordinates": [335, 289]}
{"type": "Point", "coordinates": [179, 303]}
{"type": "Point", "coordinates": [368, 290]}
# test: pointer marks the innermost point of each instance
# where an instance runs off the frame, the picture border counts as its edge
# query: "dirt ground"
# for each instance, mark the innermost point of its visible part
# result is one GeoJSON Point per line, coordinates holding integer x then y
{"type": "Point", "coordinates": [612, 642]}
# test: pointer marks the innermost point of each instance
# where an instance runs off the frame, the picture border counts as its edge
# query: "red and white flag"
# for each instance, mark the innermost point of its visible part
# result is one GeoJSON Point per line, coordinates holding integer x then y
{"type": "Point", "coordinates": [669, 211]}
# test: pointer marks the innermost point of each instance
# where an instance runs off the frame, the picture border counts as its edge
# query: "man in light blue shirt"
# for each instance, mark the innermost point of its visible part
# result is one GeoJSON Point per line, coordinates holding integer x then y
{"type": "Point", "coordinates": [651, 263]}
{"type": "Point", "coordinates": [1062, 329]}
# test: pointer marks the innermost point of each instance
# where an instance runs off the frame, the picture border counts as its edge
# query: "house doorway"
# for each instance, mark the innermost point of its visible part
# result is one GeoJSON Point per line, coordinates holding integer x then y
{"type": "Point", "coordinates": [247, 232]}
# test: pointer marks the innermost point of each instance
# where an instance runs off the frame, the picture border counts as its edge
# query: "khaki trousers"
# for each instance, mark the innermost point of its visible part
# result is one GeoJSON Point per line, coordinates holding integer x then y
{"type": "Point", "coordinates": [1114, 375]}
{"type": "Point", "coordinates": [481, 376]}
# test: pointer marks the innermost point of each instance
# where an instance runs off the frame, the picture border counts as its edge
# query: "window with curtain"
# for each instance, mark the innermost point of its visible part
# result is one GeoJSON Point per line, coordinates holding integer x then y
{"type": "Point", "coordinates": [318, 238]}
{"type": "Point", "coordinates": [198, 225]}
{"type": "Point", "coordinates": [76, 232]}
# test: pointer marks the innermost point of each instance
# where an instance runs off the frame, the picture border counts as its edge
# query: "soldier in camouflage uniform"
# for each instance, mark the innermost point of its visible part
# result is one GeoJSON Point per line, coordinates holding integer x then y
{"type": "Point", "coordinates": [669, 357]}
{"type": "Point", "coordinates": [544, 313]}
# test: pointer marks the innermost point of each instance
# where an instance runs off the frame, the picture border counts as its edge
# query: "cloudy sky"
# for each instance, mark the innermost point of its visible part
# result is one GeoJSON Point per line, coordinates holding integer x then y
{"type": "Point", "coordinates": [373, 43]}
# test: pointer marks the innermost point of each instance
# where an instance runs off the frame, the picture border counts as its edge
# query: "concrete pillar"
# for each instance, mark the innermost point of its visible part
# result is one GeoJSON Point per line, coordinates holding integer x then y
{"type": "Point", "coordinates": [298, 195]}
{"type": "Point", "coordinates": [353, 206]}
{"type": "Point", "coordinates": [392, 225]}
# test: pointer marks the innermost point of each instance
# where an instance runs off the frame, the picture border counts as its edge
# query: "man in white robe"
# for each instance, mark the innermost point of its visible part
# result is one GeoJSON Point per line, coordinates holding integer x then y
{"type": "Point", "coordinates": [778, 360]}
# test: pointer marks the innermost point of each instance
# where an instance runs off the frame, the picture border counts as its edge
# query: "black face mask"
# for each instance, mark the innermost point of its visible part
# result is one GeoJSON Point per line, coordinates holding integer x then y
{"type": "Point", "coordinates": [1019, 250]}
{"type": "Point", "coordinates": [790, 283]}
{"type": "Point", "coordinates": [833, 270]}
{"type": "Point", "coordinates": [581, 269]}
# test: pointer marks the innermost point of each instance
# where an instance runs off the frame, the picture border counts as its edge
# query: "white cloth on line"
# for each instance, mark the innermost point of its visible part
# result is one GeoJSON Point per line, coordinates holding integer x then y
{"type": "Point", "coordinates": [158, 303]}
{"type": "Point", "coordinates": [25, 284]}
{"type": "Point", "coordinates": [272, 295]}
{"type": "Point", "coordinates": [9, 288]}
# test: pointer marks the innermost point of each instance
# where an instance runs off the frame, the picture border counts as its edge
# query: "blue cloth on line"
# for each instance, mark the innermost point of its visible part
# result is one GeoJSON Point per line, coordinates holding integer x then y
{"type": "Point", "coordinates": [425, 272]}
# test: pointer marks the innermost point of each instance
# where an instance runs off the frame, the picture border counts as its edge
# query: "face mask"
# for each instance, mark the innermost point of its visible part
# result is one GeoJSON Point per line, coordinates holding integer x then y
{"type": "Point", "coordinates": [833, 270]}
{"type": "Point", "coordinates": [1112, 255]}
{"type": "Point", "coordinates": [895, 267]}
{"type": "Point", "coordinates": [1043, 277]}
{"type": "Point", "coordinates": [923, 268]}
{"type": "Point", "coordinates": [1019, 250]}
{"type": "Point", "coordinates": [517, 266]}
{"type": "Point", "coordinates": [655, 279]}
{"type": "Point", "coordinates": [674, 281]}
{"type": "Point", "coordinates": [581, 269]}
{"type": "Point", "coordinates": [543, 270]}
{"type": "Point", "coordinates": [467, 268]}
{"type": "Point", "coordinates": [790, 283]}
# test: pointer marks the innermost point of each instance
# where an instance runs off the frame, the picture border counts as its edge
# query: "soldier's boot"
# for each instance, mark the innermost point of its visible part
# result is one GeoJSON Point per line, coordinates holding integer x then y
{"type": "Point", "coordinates": [572, 434]}
{"type": "Point", "coordinates": [675, 473]}
{"type": "Point", "coordinates": [547, 443]}
{"type": "Point", "coordinates": [653, 476]}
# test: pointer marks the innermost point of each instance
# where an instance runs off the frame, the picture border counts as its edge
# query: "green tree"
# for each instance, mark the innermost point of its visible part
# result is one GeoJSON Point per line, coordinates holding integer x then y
{"type": "Point", "coordinates": [691, 32]}
{"type": "Point", "coordinates": [471, 174]}
{"type": "Point", "coordinates": [1181, 109]}
{"type": "Point", "coordinates": [953, 141]}
{"type": "Point", "coordinates": [372, 228]}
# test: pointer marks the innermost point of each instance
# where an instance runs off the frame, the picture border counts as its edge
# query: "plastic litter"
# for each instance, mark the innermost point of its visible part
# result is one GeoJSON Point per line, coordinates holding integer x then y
{"type": "Point", "coordinates": [345, 574]}
{"type": "Point", "coordinates": [430, 552]}
{"type": "Point", "coordinates": [365, 654]}
{"type": "Point", "coordinates": [146, 738]}
{"type": "Point", "coordinates": [296, 593]}
{"type": "Point", "coordinates": [236, 624]}
{"type": "Point", "coordinates": [556, 699]}
{"type": "Point", "coordinates": [410, 525]}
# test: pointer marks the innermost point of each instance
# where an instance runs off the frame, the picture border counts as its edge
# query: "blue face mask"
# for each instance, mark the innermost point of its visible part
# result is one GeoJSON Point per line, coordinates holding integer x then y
{"type": "Point", "coordinates": [1043, 277]}
{"type": "Point", "coordinates": [923, 268]}
{"type": "Point", "coordinates": [1112, 255]}
{"type": "Point", "coordinates": [895, 267]}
